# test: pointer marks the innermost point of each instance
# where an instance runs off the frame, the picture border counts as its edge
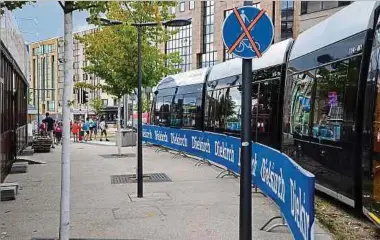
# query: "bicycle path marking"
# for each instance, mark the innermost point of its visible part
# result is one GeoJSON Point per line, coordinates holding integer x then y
{"type": "Point", "coordinates": [246, 32]}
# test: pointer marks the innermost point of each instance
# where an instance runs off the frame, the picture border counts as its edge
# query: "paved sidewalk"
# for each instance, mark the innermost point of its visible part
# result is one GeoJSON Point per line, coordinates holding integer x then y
{"type": "Point", "coordinates": [96, 142]}
{"type": "Point", "coordinates": [195, 205]}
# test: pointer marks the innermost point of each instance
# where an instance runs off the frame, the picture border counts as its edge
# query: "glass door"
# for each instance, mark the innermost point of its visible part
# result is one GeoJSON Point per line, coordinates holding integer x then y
{"type": "Point", "coordinates": [371, 137]}
{"type": "Point", "coordinates": [265, 99]}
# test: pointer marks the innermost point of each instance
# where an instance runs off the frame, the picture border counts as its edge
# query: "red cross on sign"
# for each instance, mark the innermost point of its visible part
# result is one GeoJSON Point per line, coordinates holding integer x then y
{"type": "Point", "coordinates": [246, 32]}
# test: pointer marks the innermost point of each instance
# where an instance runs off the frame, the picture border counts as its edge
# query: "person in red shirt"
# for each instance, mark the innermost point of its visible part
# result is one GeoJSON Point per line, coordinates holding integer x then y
{"type": "Point", "coordinates": [42, 129]}
{"type": "Point", "coordinates": [58, 133]}
{"type": "Point", "coordinates": [75, 130]}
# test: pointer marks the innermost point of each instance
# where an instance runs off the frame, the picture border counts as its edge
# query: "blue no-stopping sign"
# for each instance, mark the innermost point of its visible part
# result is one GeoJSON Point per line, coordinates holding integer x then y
{"type": "Point", "coordinates": [247, 32]}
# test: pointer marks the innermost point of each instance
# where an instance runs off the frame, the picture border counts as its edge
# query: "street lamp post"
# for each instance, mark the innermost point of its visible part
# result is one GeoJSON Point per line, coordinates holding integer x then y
{"type": "Point", "coordinates": [139, 26]}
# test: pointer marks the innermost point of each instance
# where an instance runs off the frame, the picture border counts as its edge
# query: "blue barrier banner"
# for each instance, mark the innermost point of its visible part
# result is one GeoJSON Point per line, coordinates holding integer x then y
{"type": "Point", "coordinates": [277, 175]}
{"type": "Point", "coordinates": [290, 186]}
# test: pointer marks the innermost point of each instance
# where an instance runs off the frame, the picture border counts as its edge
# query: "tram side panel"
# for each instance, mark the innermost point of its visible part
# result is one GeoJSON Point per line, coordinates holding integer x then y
{"type": "Point", "coordinates": [319, 115]}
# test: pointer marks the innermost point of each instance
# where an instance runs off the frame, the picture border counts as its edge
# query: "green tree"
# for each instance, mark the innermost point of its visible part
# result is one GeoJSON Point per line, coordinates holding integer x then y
{"type": "Point", "coordinates": [79, 85]}
{"type": "Point", "coordinates": [12, 5]}
{"type": "Point", "coordinates": [146, 104]}
{"type": "Point", "coordinates": [112, 50]}
{"type": "Point", "coordinates": [94, 7]}
{"type": "Point", "coordinates": [97, 105]}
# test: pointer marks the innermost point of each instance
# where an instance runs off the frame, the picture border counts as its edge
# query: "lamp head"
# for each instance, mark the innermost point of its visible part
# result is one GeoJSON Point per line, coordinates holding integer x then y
{"type": "Point", "coordinates": [103, 21]}
{"type": "Point", "coordinates": [177, 22]}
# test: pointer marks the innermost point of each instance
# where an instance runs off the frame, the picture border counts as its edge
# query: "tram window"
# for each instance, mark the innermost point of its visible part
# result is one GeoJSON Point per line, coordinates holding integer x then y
{"type": "Point", "coordinates": [329, 101]}
{"type": "Point", "coordinates": [191, 109]}
{"type": "Point", "coordinates": [233, 109]}
{"type": "Point", "coordinates": [220, 108]}
{"type": "Point", "coordinates": [165, 111]}
{"type": "Point", "coordinates": [351, 88]}
{"type": "Point", "coordinates": [376, 41]}
{"type": "Point", "coordinates": [177, 111]}
{"type": "Point", "coordinates": [302, 85]}
{"type": "Point", "coordinates": [157, 114]}
{"type": "Point", "coordinates": [210, 109]}
{"type": "Point", "coordinates": [159, 102]}
{"type": "Point", "coordinates": [268, 105]}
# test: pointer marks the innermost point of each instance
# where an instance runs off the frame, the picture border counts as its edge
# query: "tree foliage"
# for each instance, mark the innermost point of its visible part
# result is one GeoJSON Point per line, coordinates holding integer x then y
{"type": "Point", "coordinates": [11, 5]}
{"type": "Point", "coordinates": [84, 85]}
{"type": "Point", "coordinates": [97, 105]}
{"type": "Point", "coordinates": [146, 104]}
{"type": "Point", "coordinates": [94, 7]}
{"type": "Point", "coordinates": [112, 50]}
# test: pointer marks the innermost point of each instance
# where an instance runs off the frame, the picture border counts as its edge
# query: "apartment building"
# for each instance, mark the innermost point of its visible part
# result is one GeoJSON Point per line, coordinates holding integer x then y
{"type": "Point", "coordinates": [44, 75]}
{"type": "Point", "coordinates": [47, 79]}
{"type": "Point", "coordinates": [200, 44]}
{"type": "Point", "coordinates": [79, 110]}
{"type": "Point", "coordinates": [313, 12]}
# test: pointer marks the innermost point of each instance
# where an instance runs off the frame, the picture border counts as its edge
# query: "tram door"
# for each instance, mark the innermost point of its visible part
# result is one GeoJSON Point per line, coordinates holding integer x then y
{"type": "Point", "coordinates": [371, 135]}
{"type": "Point", "coordinates": [265, 111]}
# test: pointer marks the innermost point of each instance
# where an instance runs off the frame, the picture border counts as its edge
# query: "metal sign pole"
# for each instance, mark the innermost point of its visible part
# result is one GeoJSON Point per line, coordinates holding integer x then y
{"type": "Point", "coordinates": [139, 120]}
{"type": "Point", "coordinates": [245, 225]}
{"type": "Point", "coordinates": [244, 40]}
{"type": "Point", "coordinates": [246, 152]}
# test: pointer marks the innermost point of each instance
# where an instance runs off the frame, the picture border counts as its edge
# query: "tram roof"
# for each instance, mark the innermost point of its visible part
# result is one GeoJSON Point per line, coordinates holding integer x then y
{"type": "Point", "coordinates": [274, 56]}
{"type": "Point", "coordinates": [197, 76]}
{"type": "Point", "coordinates": [353, 19]}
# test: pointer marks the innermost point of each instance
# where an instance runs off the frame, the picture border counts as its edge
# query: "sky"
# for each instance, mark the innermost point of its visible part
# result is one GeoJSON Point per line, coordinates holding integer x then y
{"type": "Point", "coordinates": [49, 20]}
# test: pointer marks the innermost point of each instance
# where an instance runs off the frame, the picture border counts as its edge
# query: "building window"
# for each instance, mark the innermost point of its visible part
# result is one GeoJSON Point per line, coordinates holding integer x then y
{"type": "Point", "coordinates": [51, 105]}
{"type": "Point", "coordinates": [287, 13]}
{"type": "Point", "coordinates": [226, 55]}
{"type": "Point", "coordinates": [256, 5]}
{"type": "Point", "coordinates": [181, 43]}
{"type": "Point", "coordinates": [209, 56]}
{"type": "Point", "coordinates": [84, 63]}
{"type": "Point", "coordinates": [85, 77]}
{"type": "Point", "coordinates": [316, 6]}
{"type": "Point", "coordinates": [105, 102]}
{"type": "Point", "coordinates": [36, 51]}
{"type": "Point", "coordinates": [191, 5]}
{"type": "Point", "coordinates": [182, 6]}
{"type": "Point", "coordinates": [172, 10]}
{"type": "Point", "coordinates": [115, 102]}
{"type": "Point", "coordinates": [52, 72]}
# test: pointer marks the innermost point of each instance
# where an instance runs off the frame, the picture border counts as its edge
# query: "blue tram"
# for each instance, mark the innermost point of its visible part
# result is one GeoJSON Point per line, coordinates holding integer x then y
{"type": "Point", "coordinates": [315, 98]}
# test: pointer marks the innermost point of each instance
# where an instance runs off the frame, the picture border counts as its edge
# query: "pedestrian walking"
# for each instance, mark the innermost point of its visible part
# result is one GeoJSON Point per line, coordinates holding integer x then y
{"type": "Point", "coordinates": [49, 128]}
{"type": "Point", "coordinates": [81, 131]}
{"type": "Point", "coordinates": [58, 133]}
{"type": "Point", "coordinates": [96, 125]}
{"type": "Point", "coordinates": [86, 129]}
{"type": "Point", "coordinates": [71, 127]}
{"type": "Point", "coordinates": [103, 129]}
{"type": "Point", "coordinates": [75, 130]}
{"type": "Point", "coordinates": [91, 124]}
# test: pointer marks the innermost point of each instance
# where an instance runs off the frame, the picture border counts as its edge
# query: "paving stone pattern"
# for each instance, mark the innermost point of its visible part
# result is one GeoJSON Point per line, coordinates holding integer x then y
{"type": "Point", "coordinates": [195, 205]}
